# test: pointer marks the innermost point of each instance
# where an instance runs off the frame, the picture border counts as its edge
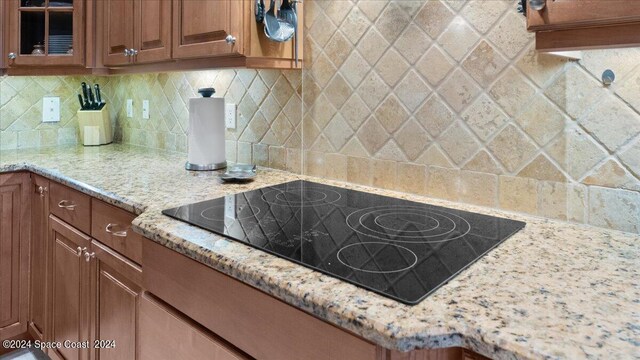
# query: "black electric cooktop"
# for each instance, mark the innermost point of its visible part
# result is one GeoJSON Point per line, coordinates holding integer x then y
{"type": "Point", "coordinates": [398, 248]}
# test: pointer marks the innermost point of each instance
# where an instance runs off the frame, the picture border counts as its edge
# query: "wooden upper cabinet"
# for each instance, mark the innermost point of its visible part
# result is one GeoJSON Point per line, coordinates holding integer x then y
{"type": "Point", "coordinates": [14, 253]}
{"type": "Point", "coordinates": [42, 33]}
{"type": "Point", "coordinates": [153, 31]}
{"type": "Point", "coordinates": [585, 24]}
{"type": "Point", "coordinates": [117, 33]}
{"type": "Point", "coordinates": [201, 27]}
{"type": "Point", "coordinates": [136, 31]}
{"type": "Point", "coordinates": [566, 14]}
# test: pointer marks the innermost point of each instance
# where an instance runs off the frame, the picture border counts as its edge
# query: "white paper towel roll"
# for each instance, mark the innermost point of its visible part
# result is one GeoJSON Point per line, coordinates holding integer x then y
{"type": "Point", "coordinates": [206, 132]}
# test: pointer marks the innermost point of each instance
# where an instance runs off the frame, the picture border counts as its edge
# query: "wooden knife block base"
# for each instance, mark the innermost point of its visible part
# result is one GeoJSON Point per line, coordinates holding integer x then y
{"type": "Point", "coordinates": [95, 127]}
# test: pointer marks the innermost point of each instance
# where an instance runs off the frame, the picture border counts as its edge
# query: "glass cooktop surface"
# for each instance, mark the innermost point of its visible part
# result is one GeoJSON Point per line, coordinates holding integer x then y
{"type": "Point", "coordinates": [398, 248]}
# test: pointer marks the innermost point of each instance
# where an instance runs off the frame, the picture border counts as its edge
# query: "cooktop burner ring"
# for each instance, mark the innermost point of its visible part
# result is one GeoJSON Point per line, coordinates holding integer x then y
{"type": "Point", "coordinates": [253, 214]}
{"type": "Point", "coordinates": [371, 258]}
{"type": "Point", "coordinates": [328, 196]}
{"type": "Point", "coordinates": [377, 221]}
{"type": "Point", "coordinates": [355, 221]}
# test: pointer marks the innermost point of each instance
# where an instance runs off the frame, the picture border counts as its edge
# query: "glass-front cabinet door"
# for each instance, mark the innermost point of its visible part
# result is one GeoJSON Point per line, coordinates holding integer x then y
{"type": "Point", "coordinates": [45, 32]}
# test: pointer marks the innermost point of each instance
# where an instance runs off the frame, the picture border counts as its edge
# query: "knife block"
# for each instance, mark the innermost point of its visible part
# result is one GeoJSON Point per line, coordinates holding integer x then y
{"type": "Point", "coordinates": [95, 127]}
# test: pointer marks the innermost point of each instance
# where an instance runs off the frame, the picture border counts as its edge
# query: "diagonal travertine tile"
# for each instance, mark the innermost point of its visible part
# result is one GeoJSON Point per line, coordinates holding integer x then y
{"type": "Point", "coordinates": [459, 90]}
{"type": "Point", "coordinates": [481, 16]}
{"type": "Point", "coordinates": [435, 116]}
{"type": "Point", "coordinates": [458, 39]}
{"type": "Point", "coordinates": [612, 123]}
{"type": "Point", "coordinates": [510, 35]}
{"type": "Point", "coordinates": [433, 18]}
{"type": "Point", "coordinates": [542, 169]}
{"type": "Point", "coordinates": [611, 174]}
{"type": "Point", "coordinates": [412, 43]}
{"type": "Point", "coordinates": [355, 25]}
{"type": "Point", "coordinates": [512, 91]}
{"type": "Point", "coordinates": [483, 162]}
{"type": "Point", "coordinates": [484, 63]}
{"type": "Point", "coordinates": [391, 114]}
{"type": "Point", "coordinates": [372, 135]}
{"type": "Point", "coordinates": [512, 148]}
{"type": "Point", "coordinates": [575, 91]}
{"type": "Point", "coordinates": [576, 152]}
{"type": "Point", "coordinates": [392, 21]}
{"type": "Point", "coordinates": [338, 132]}
{"type": "Point", "coordinates": [458, 143]}
{"type": "Point", "coordinates": [391, 67]}
{"type": "Point", "coordinates": [412, 90]}
{"type": "Point", "coordinates": [541, 120]}
{"type": "Point", "coordinates": [484, 117]}
{"type": "Point", "coordinates": [434, 65]}
{"type": "Point", "coordinates": [412, 139]}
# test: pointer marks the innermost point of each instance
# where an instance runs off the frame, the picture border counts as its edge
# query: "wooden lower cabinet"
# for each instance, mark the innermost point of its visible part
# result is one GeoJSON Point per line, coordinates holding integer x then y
{"type": "Point", "coordinates": [114, 303]}
{"type": "Point", "coordinates": [69, 290]}
{"type": "Point", "coordinates": [14, 253]}
{"type": "Point", "coordinates": [166, 334]}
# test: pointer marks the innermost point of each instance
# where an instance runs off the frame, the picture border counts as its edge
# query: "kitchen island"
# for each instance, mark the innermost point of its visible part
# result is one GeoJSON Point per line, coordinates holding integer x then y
{"type": "Point", "coordinates": [553, 290]}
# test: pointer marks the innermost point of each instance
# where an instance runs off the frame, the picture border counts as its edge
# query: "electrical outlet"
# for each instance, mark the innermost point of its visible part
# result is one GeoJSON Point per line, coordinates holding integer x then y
{"type": "Point", "coordinates": [129, 108]}
{"type": "Point", "coordinates": [50, 109]}
{"type": "Point", "coordinates": [145, 109]}
{"type": "Point", "coordinates": [230, 116]}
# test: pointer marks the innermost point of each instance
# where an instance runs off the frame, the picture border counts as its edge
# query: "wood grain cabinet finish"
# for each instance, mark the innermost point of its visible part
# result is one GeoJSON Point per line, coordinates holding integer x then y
{"type": "Point", "coordinates": [39, 259]}
{"type": "Point", "coordinates": [166, 334]}
{"type": "Point", "coordinates": [112, 227]}
{"type": "Point", "coordinates": [14, 253]}
{"type": "Point", "coordinates": [69, 289]}
{"type": "Point", "coordinates": [40, 25]}
{"type": "Point", "coordinates": [117, 33]}
{"type": "Point", "coordinates": [115, 296]}
{"type": "Point", "coordinates": [136, 31]}
{"type": "Point", "coordinates": [585, 24]}
{"type": "Point", "coordinates": [71, 206]}
{"type": "Point", "coordinates": [200, 28]}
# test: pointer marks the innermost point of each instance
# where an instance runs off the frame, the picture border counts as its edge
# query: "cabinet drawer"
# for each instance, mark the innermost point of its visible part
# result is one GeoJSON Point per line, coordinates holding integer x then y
{"type": "Point", "coordinates": [71, 206]}
{"type": "Point", "coordinates": [112, 227]}
{"type": "Point", "coordinates": [167, 334]}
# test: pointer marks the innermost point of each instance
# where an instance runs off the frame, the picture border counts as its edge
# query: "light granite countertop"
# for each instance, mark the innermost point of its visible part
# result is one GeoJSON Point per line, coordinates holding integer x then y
{"type": "Point", "coordinates": [552, 291]}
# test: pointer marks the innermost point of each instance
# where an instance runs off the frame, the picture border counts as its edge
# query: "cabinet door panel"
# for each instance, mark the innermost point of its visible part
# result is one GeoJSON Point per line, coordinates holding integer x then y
{"type": "Point", "coordinates": [39, 234]}
{"type": "Point", "coordinates": [69, 283]}
{"type": "Point", "coordinates": [46, 25]}
{"type": "Point", "coordinates": [200, 28]}
{"type": "Point", "coordinates": [116, 295]}
{"type": "Point", "coordinates": [153, 31]}
{"type": "Point", "coordinates": [118, 30]}
{"type": "Point", "coordinates": [565, 14]}
{"type": "Point", "coordinates": [14, 253]}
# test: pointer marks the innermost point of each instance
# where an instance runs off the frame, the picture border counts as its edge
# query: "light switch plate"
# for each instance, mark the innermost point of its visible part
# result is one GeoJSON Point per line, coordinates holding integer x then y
{"type": "Point", "coordinates": [50, 109]}
{"type": "Point", "coordinates": [145, 109]}
{"type": "Point", "coordinates": [129, 108]}
{"type": "Point", "coordinates": [230, 116]}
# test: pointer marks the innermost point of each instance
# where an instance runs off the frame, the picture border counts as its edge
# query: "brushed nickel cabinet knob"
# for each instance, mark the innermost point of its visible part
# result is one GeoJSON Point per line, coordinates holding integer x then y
{"type": "Point", "coordinates": [230, 39]}
{"type": "Point", "coordinates": [12, 56]}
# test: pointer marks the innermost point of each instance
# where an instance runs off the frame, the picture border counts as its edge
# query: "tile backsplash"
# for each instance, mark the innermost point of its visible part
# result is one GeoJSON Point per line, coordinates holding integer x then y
{"type": "Point", "coordinates": [448, 98]}
{"type": "Point", "coordinates": [445, 98]}
{"type": "Point", "coordinates": [268, 127]}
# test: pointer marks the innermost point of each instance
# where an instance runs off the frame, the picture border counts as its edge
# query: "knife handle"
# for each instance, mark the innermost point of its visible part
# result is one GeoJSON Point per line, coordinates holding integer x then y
{"type": "Point", "coordinates": [81, 102]}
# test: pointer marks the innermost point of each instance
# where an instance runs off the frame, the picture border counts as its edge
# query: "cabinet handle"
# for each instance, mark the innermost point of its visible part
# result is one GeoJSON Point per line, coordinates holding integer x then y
{"type": "Point", "coordinates": [133, 52]}
{"type": "Point", "coordinates": [230, 39]}
{"type": "Point", "coordinates": [127, 52]}
{"type": "Point", "coordinates": [41, 190]}
{"type": "Point", "coordinates": [89, 255]}
{"type": "Point", "coordinates": [12, 56]}
{"type": "Point", "coordinates": [67, 204]}
{"type": "Point", "coordinates": [537, 5]}
{"type": "Point", "coordinates": [121, 233]}
{"type": "Point", "coordinates": [80, 250]}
